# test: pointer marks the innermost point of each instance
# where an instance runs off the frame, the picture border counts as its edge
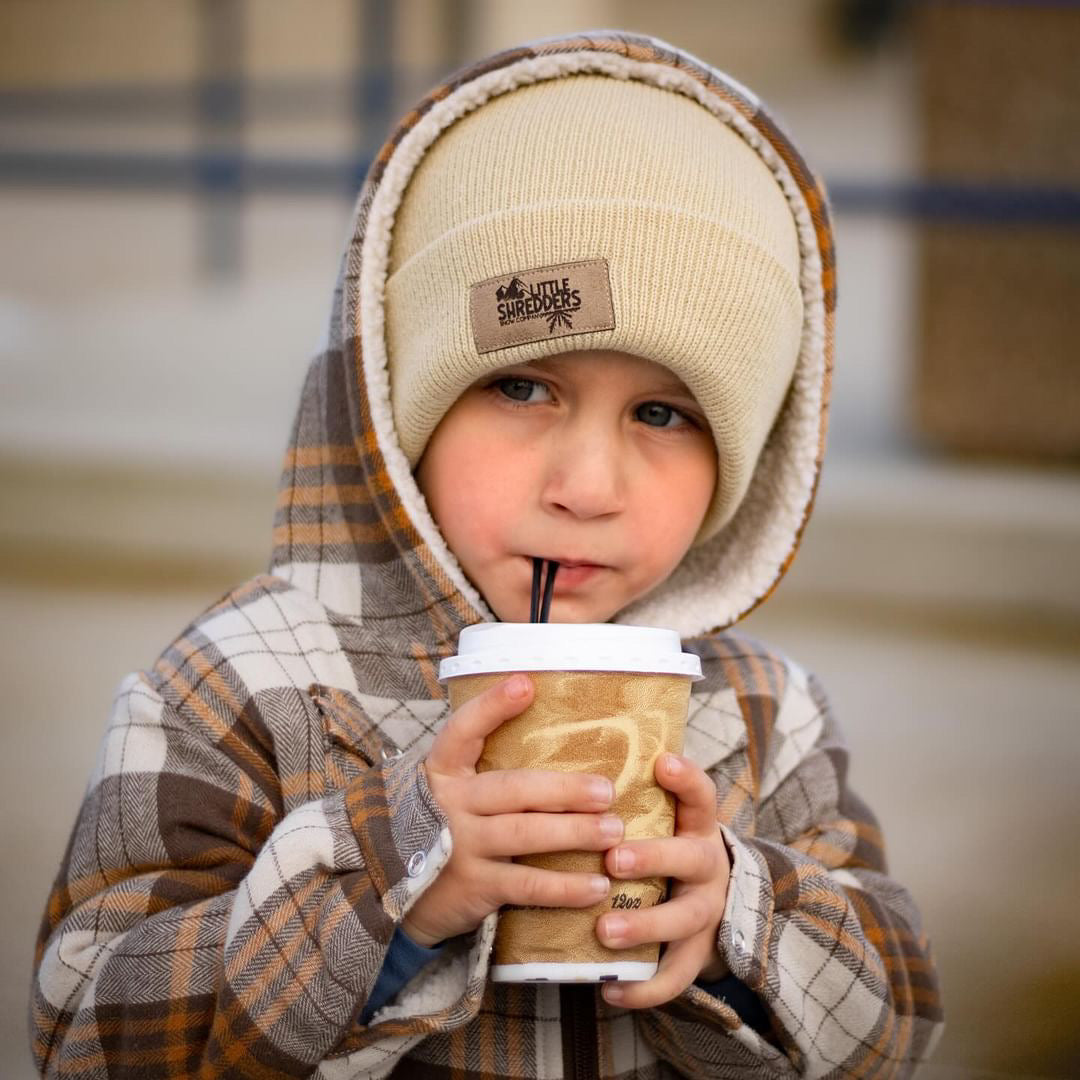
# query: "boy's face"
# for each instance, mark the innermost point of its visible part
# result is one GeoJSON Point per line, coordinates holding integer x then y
{"type": "Point", "coordinates": [595, 458]}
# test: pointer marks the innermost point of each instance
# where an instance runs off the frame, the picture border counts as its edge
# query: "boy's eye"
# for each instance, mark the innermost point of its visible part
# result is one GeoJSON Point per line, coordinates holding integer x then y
{"type": "Point", "coordinates": [518, 391]}
{"type": "Point", "coordinates": [656, 414]}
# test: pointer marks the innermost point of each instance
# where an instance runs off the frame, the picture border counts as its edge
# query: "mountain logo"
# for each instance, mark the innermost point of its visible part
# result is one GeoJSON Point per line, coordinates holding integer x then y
{"type": "Point", "coordinates": [516, 290]}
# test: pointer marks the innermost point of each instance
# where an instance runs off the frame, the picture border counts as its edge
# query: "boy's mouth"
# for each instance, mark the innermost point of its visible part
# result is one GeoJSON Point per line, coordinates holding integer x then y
{"type": "Point", "coordinates": [567, 563]}
{"type": "Point", "coordinates": [571, 572]}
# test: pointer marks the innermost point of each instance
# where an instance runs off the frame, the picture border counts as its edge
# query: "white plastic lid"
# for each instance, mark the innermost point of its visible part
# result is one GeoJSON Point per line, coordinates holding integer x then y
{"type": "Point", "coordinates": [493, 647]}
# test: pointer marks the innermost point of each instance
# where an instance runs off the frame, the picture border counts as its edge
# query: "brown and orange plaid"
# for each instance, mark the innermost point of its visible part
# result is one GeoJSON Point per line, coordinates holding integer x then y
{"type": "Point", "coordinates": [249, 839]}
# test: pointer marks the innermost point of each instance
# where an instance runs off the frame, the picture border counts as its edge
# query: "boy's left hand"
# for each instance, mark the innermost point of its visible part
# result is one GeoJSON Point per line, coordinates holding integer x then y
{"type": "Point", "coordinates": [696, 857]}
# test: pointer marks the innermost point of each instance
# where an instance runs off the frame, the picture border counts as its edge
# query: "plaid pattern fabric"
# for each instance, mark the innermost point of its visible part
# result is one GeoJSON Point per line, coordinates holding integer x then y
{"type": "Point", "coordinates": [257, 823]}
{"type": "Point", "coordinates": [256, 826]}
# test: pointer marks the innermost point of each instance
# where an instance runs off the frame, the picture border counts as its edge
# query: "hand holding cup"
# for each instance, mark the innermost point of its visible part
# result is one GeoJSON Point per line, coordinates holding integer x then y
{"type": "Point", "coordinates": [699, 865]}
{"type": "Point", "coordinates": [499, 814]}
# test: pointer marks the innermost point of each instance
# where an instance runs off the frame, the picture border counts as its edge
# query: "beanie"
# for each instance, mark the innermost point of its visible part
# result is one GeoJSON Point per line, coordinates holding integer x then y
{"type": "Point", "coordinates": [596, 212]}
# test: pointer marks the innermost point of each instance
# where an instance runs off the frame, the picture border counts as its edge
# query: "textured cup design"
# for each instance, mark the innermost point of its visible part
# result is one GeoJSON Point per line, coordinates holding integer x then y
{"type": "Point", "coordinates": [610, 723]}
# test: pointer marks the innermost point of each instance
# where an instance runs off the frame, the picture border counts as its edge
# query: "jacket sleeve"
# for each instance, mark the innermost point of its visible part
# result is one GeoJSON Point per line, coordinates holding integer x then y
{"type": "Point", "coordinates": [813, 926]}
{"type": "Point", "coordinates": [196, 929]}
{"type": "Point", "coordinates": [404, 959]}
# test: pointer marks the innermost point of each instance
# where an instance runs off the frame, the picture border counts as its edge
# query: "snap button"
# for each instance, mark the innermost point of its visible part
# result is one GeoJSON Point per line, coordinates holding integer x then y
{"type": "Point", "coordinates": [739, 941]}
{"type": "Point", "coordinates": [417, 862]}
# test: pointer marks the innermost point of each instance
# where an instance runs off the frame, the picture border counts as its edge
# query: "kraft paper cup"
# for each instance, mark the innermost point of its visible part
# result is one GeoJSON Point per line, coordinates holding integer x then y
{"type": "Point", "coordinates": [609, 699]}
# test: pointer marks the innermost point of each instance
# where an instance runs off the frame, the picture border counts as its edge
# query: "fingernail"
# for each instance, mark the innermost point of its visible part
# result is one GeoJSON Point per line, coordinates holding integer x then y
{"type": "Point", "coordinates": [600, 884]}
{"type": "Point", "coordinates": [602, 791]}
{"type": "Point", "coordinates": [613, 993]}
{"type": "Point", "coordinates": [614, 926]}
{"type": "Point", "coordinates": [611, 828]}
{"type": "Point", "coordinates": [624, 860]}
{"type": "Point", "coordinates": [672, 764]}
{"type": "Point", "coordinates": [517, 687]}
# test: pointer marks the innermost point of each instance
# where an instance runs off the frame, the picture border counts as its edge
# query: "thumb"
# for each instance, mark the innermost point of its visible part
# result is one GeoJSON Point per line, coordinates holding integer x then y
{"type": "Point", "coordinates": [459, 745]}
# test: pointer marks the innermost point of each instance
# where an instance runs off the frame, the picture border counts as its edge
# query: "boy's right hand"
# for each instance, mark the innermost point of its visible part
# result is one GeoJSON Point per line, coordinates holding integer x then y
{"type": "Point", "coordinates": [498, 814]}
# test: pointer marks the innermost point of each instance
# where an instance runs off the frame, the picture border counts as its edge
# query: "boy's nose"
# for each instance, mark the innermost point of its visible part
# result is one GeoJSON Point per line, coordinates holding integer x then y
{"type": "Point", "coordinates": [586, 476]}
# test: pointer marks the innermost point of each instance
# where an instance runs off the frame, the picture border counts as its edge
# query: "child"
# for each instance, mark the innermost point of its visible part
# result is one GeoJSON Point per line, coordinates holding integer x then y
{"type": "Point", "coordinates": [585, 315]}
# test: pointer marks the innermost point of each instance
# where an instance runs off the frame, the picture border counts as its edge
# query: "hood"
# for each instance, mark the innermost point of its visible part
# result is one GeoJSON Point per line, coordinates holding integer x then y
{"type": "Point", "coordinates": [352, 527]}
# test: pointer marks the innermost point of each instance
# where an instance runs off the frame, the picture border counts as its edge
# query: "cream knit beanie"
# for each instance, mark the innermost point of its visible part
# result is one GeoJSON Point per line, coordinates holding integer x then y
{"type": "Point", "coordinates": [593, 212]}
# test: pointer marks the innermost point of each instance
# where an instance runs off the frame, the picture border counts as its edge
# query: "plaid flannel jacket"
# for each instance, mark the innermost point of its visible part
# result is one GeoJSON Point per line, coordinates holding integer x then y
{"type": "Point", "coordinates": [257, 823]}
{"type": "Point", "coordinates": [256, 826]}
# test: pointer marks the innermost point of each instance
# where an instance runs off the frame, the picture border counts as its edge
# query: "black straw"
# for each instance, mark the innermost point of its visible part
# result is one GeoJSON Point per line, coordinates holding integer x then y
{"type": "Point", "coordinates": [549, 588]}
{"type": "Point", "coordinates": [539, 612]}
{"type": "Point", "coordinates": [534, 608]}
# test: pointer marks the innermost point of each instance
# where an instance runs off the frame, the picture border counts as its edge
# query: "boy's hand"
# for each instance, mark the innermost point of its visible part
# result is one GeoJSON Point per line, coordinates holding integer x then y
{"type": "Point", "coordinates": [502, 813]}
{"type": "Point", "coordinates": [697, 858]}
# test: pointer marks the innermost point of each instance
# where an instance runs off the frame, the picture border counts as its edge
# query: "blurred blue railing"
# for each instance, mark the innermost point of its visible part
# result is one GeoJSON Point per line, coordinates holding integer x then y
{"type": "Point", "coordinates": [221, 105]}
{"type": "Point", "coordinates": [238, 173]}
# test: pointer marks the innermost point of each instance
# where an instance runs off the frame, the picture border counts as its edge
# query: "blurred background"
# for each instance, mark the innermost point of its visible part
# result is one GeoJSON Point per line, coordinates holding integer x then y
{"type": "Point", "coordinates": [176, 178]}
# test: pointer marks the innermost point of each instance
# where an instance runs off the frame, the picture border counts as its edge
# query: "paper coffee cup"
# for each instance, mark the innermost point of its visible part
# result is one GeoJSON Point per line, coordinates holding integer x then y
{"type": "Point", "coordinates": [609, 699]}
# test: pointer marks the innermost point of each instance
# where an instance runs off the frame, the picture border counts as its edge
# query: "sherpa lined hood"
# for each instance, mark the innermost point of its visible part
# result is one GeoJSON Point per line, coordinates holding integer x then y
{"type": "Point", "coordinates": [352, 527]}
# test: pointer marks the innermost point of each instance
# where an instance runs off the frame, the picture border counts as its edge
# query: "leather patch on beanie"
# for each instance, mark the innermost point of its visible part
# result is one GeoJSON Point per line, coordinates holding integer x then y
{"type": "Point", "coordinates": [541, 304]}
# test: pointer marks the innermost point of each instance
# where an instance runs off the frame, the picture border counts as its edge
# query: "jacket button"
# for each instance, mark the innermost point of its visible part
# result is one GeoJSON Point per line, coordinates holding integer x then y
{"type": "Point", "coordinates": [739, 942]}
{"type": "Point", "coordinates": [417, 862]}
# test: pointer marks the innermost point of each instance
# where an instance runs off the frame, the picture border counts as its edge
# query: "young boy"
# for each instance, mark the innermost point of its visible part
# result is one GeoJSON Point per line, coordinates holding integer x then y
{"type": "Point", "coordinates": [585, 315]}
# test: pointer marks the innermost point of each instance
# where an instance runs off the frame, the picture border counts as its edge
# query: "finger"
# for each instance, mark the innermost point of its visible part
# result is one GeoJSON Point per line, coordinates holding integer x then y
{"type": "Point", "coordinates": [508, 791]}
{"type": "Point", "coordinates": [696, 794]}
{"type": "Point", "coordinates": [458, 746]}
{"type": "Point", "coordinates": [529, 886]}
{"type": "Point", "coordinates": [530, 834]}
{"type": "Point", "coordinates": [672, 920]}
{"type": "Point", "coordinates": [687, 858]}
{"type": "Point", "coordinates": [679, 967]}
